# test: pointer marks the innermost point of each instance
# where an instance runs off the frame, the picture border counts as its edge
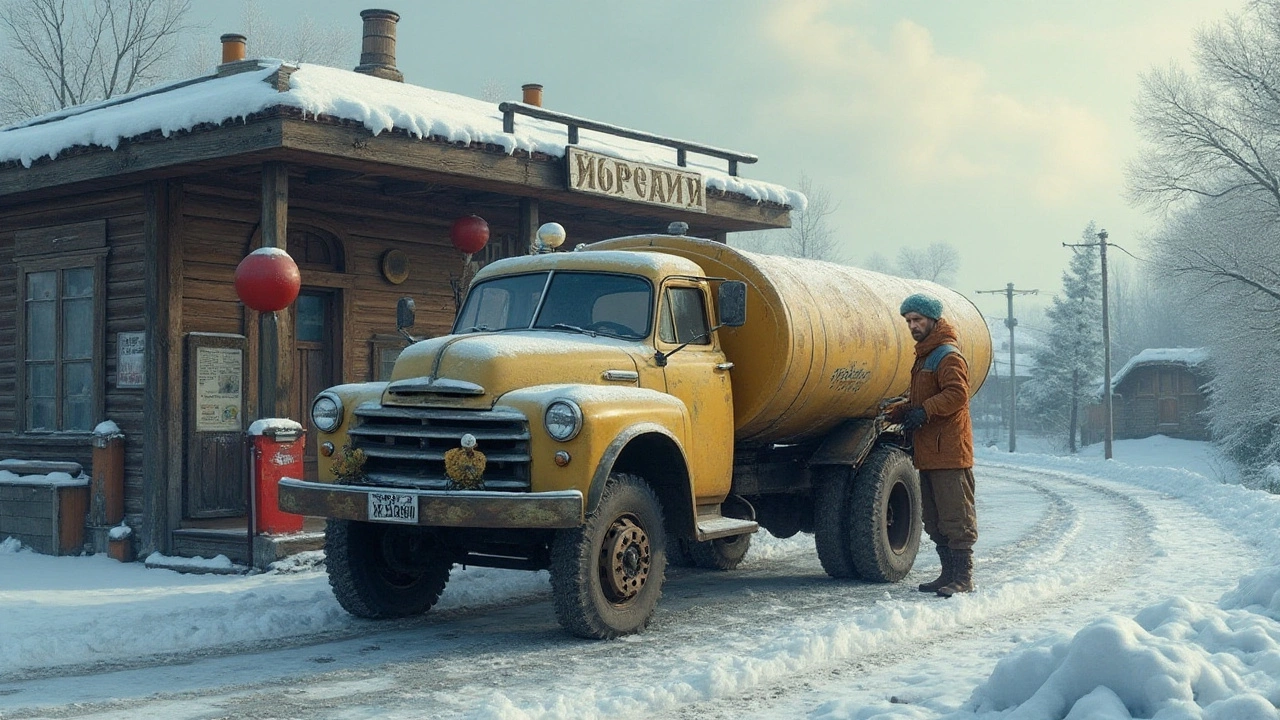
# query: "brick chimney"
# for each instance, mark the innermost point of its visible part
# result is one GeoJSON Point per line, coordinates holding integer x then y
{"type": "Point", "coordinates": [378, 49]}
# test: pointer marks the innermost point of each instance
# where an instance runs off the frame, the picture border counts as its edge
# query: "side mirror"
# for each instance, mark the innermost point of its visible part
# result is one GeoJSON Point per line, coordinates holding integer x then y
{"type": "Point", "coordinates": [405, 313]}
{"type": "Point", "coordinates": [733, 303]}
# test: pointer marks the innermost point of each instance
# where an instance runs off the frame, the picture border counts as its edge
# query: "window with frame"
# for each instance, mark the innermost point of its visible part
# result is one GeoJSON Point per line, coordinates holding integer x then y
{"type": "Point", "coordinates": [61, 350]}
{"type": "Point", "coordinates": [684, 317]}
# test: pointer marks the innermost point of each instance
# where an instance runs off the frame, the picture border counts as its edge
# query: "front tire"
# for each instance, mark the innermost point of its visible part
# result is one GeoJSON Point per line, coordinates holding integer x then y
{"type": "Point", "coordinates": [381, 571]}
{"type": "Point", "coordinates": [606, 576]}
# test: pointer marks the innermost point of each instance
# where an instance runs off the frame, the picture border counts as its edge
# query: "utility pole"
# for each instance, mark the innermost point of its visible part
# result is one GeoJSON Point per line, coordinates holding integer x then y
{"type": "Point", "coordinates": [1106, 340]}
{"type": "Point", "coordinates": [1011, 322]}
{"type": "Point", "coordinates": [1106, 345]}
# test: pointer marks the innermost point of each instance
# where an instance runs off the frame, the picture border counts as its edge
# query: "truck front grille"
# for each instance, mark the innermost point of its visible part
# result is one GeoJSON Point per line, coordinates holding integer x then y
{"type": "Point", "coordinates": [405, 447]}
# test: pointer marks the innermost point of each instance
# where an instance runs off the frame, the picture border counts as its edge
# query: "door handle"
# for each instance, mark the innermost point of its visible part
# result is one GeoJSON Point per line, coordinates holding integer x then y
{"type": "Point", "coordinates": [724, 366]}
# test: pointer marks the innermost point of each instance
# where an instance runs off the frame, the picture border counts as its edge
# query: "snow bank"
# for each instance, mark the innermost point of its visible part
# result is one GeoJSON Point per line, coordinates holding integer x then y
{"type": "Point", "coordinates": [1175, 659]}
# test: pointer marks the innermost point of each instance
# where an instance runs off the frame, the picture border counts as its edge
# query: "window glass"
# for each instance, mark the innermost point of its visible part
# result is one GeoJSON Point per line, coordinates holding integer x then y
{"type": "Point", "coordinates": [689, 313]}
{"type": "Point", "coordinates": [42, 341]}
{"type": "Point", "coordinates": [309, 326]}
{"type": "Point", "coordinates": [666, 327]}
{"type": "Point", "coordinates": [40, 397]}
{"type": "Point", "coordinates": [77, 397]}
{"type": "Point", "coordinates": [616, 305]}
{"type": "Point", "coordinates": [61, 359]}
{"type": "Point", "coordinates": [42, 286]}
{"type": "Point", "coordinates": [78, 283]}
{"type": "Point", "coordinates": [77, 329]}
{"type": "Point", "coordinates": [503, 303]}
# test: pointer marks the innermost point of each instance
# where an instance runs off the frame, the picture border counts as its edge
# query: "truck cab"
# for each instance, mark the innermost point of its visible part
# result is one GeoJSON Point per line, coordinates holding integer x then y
{"type": "Point", "coordinates": [567, 374]}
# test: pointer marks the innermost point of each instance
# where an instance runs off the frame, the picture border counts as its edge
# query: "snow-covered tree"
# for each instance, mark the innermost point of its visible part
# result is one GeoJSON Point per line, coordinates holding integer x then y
{"type": "Point", "coordinates": [1068, 365]}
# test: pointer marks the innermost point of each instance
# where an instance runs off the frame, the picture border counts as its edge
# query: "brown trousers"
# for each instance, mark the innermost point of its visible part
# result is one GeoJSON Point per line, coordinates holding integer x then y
{"type": "Point", "coordinates": [946, 499]}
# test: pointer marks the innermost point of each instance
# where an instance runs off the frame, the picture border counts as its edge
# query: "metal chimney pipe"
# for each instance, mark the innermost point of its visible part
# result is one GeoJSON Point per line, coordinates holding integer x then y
{"type": "Point", "coordinates": [378, 49]}
{"type": "Point", "coordinates": [532, 94]}
{"type": "Point", "coordinates": [233, 48]}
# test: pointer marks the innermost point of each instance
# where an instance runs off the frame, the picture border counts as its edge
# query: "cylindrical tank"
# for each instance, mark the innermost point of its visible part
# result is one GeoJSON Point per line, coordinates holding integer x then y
{"type": "Point", "coordinates": [822, 342]}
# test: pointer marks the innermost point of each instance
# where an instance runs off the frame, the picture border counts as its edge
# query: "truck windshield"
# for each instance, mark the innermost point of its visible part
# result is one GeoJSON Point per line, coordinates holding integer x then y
{"type": "Point", "coordinates": [594, 303]}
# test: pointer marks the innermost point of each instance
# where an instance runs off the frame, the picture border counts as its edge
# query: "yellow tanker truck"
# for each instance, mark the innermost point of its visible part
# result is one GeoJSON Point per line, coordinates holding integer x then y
{"type": "Point", "coordinates": [599, 414]}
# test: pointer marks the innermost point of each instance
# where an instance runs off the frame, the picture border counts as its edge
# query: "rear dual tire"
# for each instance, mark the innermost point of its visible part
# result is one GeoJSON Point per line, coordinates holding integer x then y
{"type": "Point", "coordinates": [867, 524]}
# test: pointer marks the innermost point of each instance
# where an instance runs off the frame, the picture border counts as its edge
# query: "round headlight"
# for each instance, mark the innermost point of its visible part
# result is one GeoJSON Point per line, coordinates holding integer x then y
{"type": "Point", "coordinates": [563, 420]}
{"type": "Point", "coordinates": [326, 412]}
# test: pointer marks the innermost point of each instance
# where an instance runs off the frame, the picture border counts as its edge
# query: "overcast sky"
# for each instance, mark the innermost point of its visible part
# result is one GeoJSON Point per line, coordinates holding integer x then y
{"type": "Point", "coordinates": [1002, 127]}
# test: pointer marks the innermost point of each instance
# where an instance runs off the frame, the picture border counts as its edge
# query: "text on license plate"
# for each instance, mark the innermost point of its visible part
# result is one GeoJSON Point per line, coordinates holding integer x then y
{"type": "Point", "coordinates": [389, 507]}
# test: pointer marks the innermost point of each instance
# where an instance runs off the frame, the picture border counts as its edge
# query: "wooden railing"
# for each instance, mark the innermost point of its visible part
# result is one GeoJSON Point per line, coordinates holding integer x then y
{"type": "Point", "coordinates": [509, 111]}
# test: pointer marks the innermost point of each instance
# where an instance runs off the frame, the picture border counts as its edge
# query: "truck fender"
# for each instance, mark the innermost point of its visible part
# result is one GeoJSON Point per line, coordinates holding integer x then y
{"type": "Point", "coordinates": [673, 487]}
{"type": "Point", "coordinates": [848, 443]}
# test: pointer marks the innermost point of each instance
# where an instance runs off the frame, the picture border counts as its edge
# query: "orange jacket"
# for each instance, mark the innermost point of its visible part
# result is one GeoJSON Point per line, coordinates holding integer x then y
{"type": "Point", "coordinates": [945, 441]}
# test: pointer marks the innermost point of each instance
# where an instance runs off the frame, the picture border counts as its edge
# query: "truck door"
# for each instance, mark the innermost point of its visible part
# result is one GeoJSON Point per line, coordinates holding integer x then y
{"type": "Point", "coordinates": [698, 377]}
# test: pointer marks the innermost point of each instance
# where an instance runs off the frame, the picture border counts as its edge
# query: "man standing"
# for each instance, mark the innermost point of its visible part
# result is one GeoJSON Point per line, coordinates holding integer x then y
{"type": "Point", "coordinates": [937, 413]}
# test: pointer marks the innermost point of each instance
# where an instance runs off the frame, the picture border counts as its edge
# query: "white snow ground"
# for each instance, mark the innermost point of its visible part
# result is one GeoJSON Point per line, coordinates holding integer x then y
{"type": "Point", "coordinates": [1027, 644]}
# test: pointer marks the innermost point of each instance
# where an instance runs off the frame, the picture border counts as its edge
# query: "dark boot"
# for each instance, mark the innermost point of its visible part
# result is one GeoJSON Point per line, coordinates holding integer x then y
{"type": "Point", "coordinates": [962, 580]}
{"type": "Point", "coordinates": [944, 554]}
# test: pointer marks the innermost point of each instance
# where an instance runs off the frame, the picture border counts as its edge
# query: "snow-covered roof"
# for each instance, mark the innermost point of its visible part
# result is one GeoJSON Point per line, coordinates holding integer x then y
{"type": "Point", "coordinates": [1190, 357]}
{"type": "Point", "coordinates": [315, 90]}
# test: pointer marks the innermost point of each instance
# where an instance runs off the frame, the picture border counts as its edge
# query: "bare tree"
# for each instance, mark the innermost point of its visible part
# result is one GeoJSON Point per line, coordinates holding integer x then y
{"type": "Point", "coordinates": [301, 40]}
{"type": "Point", "coordinates": [879, 262]}
{"type": "Point", "coordinates": [938, 262]}
{"type": "Point", "coordinates": [69, 53]}
{"type": "Point", "coordinates": [810, 235]}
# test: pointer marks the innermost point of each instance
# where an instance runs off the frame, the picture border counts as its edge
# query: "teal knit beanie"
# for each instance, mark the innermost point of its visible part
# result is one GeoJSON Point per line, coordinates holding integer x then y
{"type": "Point", "coordinates": [926, 305]}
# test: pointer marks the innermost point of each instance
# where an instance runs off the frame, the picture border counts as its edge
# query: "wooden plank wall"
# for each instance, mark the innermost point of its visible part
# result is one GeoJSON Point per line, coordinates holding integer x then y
{"type": "Point", "coordinates": [220, 221]}
{"type": "Point", "coordinates": [124, 211]}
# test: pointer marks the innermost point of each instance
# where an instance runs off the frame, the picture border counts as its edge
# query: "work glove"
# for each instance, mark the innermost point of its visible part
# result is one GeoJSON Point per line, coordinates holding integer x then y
{"type": "Point", "coordinates": [914, 418]}
{"type": "Point", "coordinates": [894, 413]}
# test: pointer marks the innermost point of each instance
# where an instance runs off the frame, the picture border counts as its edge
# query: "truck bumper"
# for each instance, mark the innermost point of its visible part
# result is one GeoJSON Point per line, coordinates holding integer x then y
{"type": "Point", "coordinates": [441, 508]}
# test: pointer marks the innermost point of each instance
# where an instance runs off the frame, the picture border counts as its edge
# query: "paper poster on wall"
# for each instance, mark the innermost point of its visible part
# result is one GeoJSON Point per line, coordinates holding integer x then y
{"type": "Point", "coordinates": [130, 369]}
{"type": "Point", "coordinates": [218, 389]}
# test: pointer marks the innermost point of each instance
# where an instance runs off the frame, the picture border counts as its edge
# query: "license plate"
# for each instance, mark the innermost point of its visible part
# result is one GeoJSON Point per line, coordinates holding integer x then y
{"type": "Point", "coordinates": [389, 507]}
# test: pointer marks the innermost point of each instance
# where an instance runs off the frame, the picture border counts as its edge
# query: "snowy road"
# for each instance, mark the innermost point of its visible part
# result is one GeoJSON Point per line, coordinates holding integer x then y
{"type": "Point", "coordinates": [776, 638]}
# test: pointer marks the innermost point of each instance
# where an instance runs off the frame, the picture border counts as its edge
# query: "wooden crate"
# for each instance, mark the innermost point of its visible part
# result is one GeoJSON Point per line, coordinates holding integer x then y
{"type": "Point", "coordinates": [48, 518]}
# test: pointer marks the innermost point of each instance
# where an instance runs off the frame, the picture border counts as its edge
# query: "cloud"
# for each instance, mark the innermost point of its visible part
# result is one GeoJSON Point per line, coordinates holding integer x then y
{"type": "Point", "coordinates": [905, 111]}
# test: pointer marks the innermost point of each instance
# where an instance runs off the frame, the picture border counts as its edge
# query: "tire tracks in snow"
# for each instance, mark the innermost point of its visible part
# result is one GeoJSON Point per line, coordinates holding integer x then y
{"type": "Point", "coordinates": [721, 643]}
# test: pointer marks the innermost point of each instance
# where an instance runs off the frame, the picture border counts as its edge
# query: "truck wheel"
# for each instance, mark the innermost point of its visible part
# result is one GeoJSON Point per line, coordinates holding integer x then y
{"type": "Point", "coordinates": [884, 507]}
{"type": "Point", "coordinates": [831, 531]}
{"type": "Point", "coordinates": [606, 576]}
{"type": "Point", "coordinates": [382, 571]}
{"type": "Point", "coordinates": [722, 553]}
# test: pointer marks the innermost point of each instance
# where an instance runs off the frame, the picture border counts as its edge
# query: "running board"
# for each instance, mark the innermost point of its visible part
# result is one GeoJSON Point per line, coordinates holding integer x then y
{"type": "Point", "coordinates": [710, 528]}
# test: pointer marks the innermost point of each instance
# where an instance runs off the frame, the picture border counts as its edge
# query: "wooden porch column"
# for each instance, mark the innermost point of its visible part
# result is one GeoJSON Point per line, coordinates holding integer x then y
{"type": "Point", "coordinates": [528, 230]}
{"type": "Point", "coordinates": [273, 361]}
{"type": "Point", "coordinates": [161, 418]}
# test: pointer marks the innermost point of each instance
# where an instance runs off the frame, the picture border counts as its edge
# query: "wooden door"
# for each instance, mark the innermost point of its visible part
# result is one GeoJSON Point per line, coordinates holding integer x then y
{"type": "Point", "coordinates": [216, 483]}
{"type": "Point", "coordinates": [318, 345]}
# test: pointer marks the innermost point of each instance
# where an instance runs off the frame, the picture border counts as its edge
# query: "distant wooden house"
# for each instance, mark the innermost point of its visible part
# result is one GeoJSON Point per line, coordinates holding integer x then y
{"type": "Point", "coordinates": [122, 223]}
{"type": "Point", "coordinates": [1160, 391]}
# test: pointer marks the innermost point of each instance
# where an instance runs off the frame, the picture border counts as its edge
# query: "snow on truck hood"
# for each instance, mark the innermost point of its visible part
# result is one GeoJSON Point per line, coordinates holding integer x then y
{"type": "Point", "coordinates": [380, 105]}
{"type": "Point", "coordinates": [503, 361]}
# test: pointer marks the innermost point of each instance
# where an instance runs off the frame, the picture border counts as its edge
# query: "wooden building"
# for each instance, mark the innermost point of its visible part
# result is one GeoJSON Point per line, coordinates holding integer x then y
{"type": "Point", "coordinates": [122, 223]}
{"type": "Point", "coordinates": [1160, 391]}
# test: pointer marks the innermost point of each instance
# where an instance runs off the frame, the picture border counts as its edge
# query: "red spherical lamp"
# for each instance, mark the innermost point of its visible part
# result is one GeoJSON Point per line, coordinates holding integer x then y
{"type": "Point", "coordinates": [469, 234]}
{"type": "Point", "coordinates": [268, 280]}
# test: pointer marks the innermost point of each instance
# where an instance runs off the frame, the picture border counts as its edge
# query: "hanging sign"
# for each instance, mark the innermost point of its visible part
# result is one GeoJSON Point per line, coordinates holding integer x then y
{"type": "Point", "coordinates": [130, 369]}
{"type": "Point", "coordinates": [598, 174]}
